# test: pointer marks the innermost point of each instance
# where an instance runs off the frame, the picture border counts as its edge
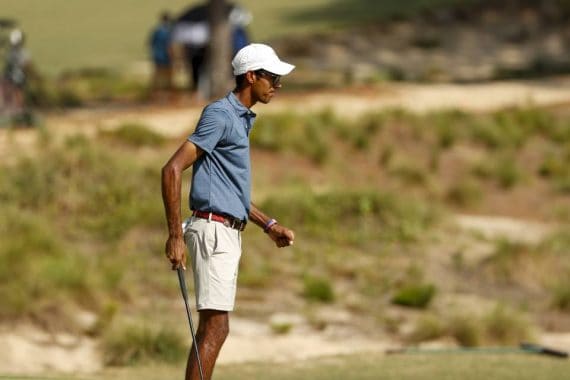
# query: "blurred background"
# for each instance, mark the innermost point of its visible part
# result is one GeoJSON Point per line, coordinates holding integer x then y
{"type": "Point", "coordinates": [420, 151]}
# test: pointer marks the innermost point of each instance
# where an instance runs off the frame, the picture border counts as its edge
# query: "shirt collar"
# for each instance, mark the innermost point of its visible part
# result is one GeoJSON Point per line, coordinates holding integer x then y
{"type": "Point", "coordinates": [240, 109]}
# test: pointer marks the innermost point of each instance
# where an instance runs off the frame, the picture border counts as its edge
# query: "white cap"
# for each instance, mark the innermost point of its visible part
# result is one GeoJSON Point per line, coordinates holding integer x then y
{"type": "Point", "coordinates": [259, 56]}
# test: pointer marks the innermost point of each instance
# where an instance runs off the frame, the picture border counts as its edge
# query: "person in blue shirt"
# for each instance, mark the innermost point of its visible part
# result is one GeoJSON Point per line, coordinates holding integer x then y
{"type": "Point", "coordinates": [161, 54]}
{"type": "Point", "coordinates": [218, 151]}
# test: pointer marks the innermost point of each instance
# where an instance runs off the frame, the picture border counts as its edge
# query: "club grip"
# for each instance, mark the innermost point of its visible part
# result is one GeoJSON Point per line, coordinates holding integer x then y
{"type": "Point", "coordinates": [182, 282]}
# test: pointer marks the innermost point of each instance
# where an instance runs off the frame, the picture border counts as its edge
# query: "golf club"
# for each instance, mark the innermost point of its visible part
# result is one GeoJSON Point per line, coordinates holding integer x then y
{"type": "Point", "coordinates": [184, 291]}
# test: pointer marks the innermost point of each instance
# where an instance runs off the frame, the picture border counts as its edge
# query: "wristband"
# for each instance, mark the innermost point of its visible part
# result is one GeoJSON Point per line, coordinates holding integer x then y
{"type": "Point", "coordinates": [270, 223]}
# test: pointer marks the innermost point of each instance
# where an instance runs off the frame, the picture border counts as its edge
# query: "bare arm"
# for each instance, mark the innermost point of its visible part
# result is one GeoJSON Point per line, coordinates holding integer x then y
{"type": "Point", "coordinates": [282, 236]}
{"type": "Point", "coordinates": [184, 157]}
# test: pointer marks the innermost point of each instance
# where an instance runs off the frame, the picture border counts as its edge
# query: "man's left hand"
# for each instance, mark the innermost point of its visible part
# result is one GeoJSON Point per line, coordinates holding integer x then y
{"type": "Point", "coordinates": [282, 236]}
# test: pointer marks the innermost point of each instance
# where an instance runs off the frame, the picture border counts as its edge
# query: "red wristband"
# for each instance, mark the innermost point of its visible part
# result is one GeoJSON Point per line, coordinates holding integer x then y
{"type": "Point", "coordinates": [270, 223]}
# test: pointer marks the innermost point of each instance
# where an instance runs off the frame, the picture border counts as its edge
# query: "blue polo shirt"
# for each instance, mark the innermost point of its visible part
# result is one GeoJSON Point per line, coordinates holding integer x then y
{"type": "Point", "coordinates": [221, 177]}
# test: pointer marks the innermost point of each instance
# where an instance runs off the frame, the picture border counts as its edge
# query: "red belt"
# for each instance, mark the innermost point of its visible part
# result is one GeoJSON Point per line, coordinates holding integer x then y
{"type": "Point", "coordinates": [226, 220]}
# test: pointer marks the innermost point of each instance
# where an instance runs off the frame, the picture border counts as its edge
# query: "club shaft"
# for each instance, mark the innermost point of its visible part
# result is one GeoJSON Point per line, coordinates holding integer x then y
{"type": "Point", "coordinates": [184, 291]}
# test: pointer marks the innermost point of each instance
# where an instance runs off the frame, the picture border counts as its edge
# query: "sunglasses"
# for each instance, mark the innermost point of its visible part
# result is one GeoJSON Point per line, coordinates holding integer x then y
{"type": "Point", "coordinates": [273, 78]}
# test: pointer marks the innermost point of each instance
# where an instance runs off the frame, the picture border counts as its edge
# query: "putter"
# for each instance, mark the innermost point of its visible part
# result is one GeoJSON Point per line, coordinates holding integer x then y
{"type": "Point", "coordinates": [184, 291]}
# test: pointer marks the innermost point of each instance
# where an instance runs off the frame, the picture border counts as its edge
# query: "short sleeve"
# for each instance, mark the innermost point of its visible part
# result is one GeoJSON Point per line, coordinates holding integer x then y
{"type": "Point", "coordinates": [210, 129]}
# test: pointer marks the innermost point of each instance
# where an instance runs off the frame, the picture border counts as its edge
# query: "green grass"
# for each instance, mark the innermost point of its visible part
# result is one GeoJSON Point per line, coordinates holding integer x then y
{"type": "Point", "coordinates": [136, 344]}
{"type": "Point", "coordinates": [415, 295]}
{"type": "Point", "coordinates": [399, 218]}
{"type": "Point", "coordinates": [135, 134]}
{"type": "Point", "coordinates": [369, 366]}
{"type": "Point", "coordinates": [71, 208]}
{"type": "Point", "coordinates": [318, 289]}
{"type": "Point", "coordinates": [503, 325]}
{"type": "Point", "coordinates": [87, 33]}
{"type": "Point", "coordinates": [465, 193]}
{"type": "Point", "coordinates": [561, 294]}
{"type": "Point", "coordinates": [86, 220]}
{"type": "Point", "coordinates": [308, 136]}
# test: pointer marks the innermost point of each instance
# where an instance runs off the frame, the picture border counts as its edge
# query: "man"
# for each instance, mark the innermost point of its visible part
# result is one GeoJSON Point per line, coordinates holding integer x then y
{"type": "Point", "coordinates": [220, 197]}
{"type": "Point", "coordinates": [161, 54]}
{"type": "Point", "coordinates": [17, 70]}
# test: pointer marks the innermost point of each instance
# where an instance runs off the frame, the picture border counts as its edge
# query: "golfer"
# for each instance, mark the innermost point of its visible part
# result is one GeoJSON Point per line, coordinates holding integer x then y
{"type": "Point", "coordinates": [220, 201]}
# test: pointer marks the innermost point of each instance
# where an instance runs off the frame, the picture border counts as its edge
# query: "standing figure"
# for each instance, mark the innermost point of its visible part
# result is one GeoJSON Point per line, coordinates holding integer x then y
{"type": "Point", "coordinates": [218, 152]}
{"type": "Point", "coordinates": [161, 54]}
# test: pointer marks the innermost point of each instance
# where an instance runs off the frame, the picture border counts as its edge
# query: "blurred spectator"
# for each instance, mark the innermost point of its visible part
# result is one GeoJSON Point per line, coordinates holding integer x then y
{"type": "Point", "coordinates": [16, 73]}
{"type": "Point", "coordinates": [161, 51]}
{"type": "Point", "coordinates": [191, 30]}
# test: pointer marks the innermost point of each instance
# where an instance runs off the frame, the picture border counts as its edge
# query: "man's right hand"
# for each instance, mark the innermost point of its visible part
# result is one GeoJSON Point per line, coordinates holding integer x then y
{"type": "Point", "coordinates": [175, 251]}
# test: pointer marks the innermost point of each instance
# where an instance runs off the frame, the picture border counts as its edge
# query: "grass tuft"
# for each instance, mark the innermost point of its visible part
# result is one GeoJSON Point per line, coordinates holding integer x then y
{"type": "Point", "coordinates": [318, 289]}
{"type": "Point", "coordinates": [135, 134]}
{"type": "Point", "coordinates": [134, 344]}
{"type": "Point", "coordinates": [416, 296]}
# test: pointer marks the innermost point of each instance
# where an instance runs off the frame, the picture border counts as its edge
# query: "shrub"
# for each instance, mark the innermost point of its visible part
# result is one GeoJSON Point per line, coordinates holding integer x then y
{"type": "Point", "coordinates": [428, 327]}
{"type": "Point", "coordinates": [318, 289]}
{"type": "Point", "coordinates": [274, 132]}
{"type": "Point", "coordinates": [507, 173]}
{"type": "Point", "coordinates": [447, 126]}
{"type": "Point", "coordinates": [132, 344]}
{"type": "Point", "coordinates": [552, 166]}
{"type": "Point", "coordinates": [35, 262]}
{"type": "Point", "coordinates": [561, 294]}
{"type": "Point", "coordinates": [386, 156]}
{"type": "Point", "coordinates": [255, 270]}
{"type": "Point", "coordinates": [562, 185]}
{"type": "Point", "coordinates": [505, 326]}
{"type": "Point", "coordinates": [503, 261]}
{"type": "Point", "coordinates": [485, 132]}
{"type": "Point", "coordinates": [281, 328]}
{"type": "Point", "coordinates": [313, 144]}
{"type": "Point", "coordinates": [415, 295]}
{"type": "Point", "coordinates": [503, 169]}
{"type": "Point", "coordinates": [97, 85]}
{"type": "Point", "coordinates": [401, 219]}
{"type": "Point", "coordinates": [305, 135]}
{"type": "Point", "coordinates": [68, 98]}
{"type": "Point", "coordinates": [361, 132]}
{"type": "Point", "coordinates": [135, 134]}
{"type": "Point", "coordinates": [466, 330]}
{"type": "Point", "coordinates": [69, 208]}
{"type": "Point", "coordinates": [409, 173]}
{"type": "Point", "coordinates": [465, 194]}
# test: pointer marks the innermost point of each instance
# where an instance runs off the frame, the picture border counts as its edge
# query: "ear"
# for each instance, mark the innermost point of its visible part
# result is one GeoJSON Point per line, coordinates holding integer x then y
{"type": "Point", "coordinates": [250, 77]}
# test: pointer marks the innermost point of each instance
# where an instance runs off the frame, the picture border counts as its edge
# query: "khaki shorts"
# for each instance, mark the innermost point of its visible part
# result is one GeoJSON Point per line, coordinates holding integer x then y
{"type": "Point", "coordinates": [215, 251]}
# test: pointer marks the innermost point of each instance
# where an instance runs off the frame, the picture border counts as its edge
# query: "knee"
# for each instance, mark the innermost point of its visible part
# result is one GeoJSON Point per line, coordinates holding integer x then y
{"type": "Point", "coordinates": [215, 326]}
{"type": "Point", "coordinates": [221, 328]}
{"type": "Point", "coordinates": [225, 330]}
{"type": "Point", "coordinates": [217, 333]}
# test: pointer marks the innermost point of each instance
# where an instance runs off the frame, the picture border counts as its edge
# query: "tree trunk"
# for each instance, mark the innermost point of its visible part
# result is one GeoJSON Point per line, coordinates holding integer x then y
{"type": "Point", "coordinates": [219, 53]}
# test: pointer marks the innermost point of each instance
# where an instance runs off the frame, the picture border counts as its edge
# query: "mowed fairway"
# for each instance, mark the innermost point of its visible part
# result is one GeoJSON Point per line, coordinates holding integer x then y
{"type": "Point", "coordinates": [65, 34]}
{"type": "Point", "coordinates": [370, 366]}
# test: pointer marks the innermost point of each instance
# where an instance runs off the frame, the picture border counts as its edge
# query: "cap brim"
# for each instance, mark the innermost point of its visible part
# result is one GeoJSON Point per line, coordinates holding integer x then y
{"type": "Point", "coordinates": [279, 68]}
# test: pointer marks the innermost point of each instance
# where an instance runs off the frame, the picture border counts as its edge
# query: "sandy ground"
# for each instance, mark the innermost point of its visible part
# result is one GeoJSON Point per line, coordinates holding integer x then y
{"type": "Point", "coordinates": [25, 349]}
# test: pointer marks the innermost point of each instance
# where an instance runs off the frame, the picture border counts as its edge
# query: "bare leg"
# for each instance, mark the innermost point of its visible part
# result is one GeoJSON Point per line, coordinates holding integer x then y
{"type": "Point", "coordinates": [213, 330]}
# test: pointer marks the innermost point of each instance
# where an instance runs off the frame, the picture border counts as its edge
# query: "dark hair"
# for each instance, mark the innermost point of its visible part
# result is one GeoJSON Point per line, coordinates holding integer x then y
{"type": "Point", "coordinates": [240, 81]}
